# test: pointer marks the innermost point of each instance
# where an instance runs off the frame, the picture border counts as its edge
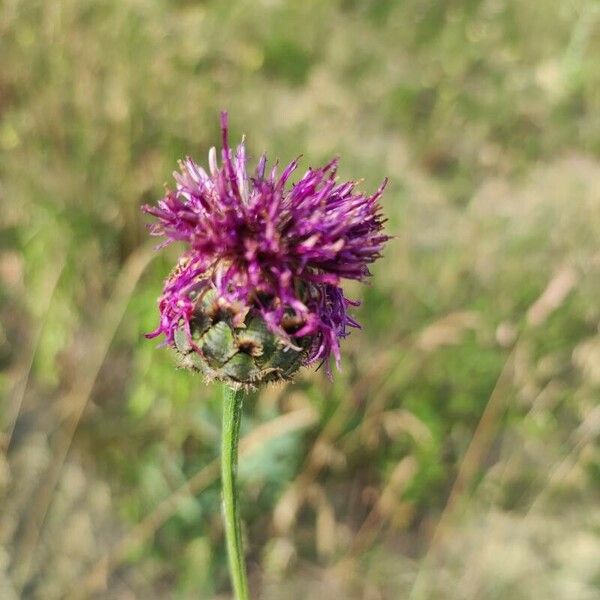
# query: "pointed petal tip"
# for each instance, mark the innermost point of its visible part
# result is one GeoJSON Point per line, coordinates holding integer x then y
{"type": "Point", "coordinates": [212, 161]}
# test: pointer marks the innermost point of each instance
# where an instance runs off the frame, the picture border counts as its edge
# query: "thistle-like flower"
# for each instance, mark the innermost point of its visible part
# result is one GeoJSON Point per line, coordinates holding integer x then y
{"type": "Point", "coordinates": [256, 292]}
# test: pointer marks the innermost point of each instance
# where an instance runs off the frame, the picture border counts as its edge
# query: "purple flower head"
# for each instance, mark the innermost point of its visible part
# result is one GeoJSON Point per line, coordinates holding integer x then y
{"type": "Point", "coordinates": [273, 249]}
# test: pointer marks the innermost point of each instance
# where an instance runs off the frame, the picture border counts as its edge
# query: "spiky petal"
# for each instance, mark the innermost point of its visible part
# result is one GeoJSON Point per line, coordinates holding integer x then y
{"type": "Point", "coordinates": [280, 250]}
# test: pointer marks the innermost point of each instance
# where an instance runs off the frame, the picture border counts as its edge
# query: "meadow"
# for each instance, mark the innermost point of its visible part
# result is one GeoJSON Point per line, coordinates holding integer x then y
{"type": "Point", "coordinates": [455, 455]}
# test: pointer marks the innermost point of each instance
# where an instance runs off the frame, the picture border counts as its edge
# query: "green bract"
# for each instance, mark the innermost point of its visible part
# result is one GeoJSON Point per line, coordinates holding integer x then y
{"type": "Point", "coordinates": [232, 345]}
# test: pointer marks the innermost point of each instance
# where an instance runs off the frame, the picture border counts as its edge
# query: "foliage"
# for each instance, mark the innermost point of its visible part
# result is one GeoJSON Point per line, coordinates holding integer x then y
{"type": "Point", "coordinates": [484, 114]}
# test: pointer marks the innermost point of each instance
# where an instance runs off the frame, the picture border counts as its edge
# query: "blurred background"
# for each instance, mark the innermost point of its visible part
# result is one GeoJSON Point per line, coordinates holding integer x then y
{"type": "Point", "coordinates": [456, 455]}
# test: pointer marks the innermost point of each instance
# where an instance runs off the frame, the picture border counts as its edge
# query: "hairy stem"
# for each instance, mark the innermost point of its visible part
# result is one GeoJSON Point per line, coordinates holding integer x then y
{"type": "Point", "coordinates": [232, 417]}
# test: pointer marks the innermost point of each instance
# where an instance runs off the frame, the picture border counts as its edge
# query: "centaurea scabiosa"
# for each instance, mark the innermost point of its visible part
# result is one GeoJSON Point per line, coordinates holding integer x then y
{"type": "Point", "coordinates": [257, 291]}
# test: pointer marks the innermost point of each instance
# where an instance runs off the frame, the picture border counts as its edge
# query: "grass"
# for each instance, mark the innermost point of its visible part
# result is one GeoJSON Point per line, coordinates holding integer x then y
{"type": "Point", "coordinates": [393, 480]}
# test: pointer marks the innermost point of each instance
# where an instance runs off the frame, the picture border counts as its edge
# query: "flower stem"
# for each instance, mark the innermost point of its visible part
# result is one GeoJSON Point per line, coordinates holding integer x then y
{"type": "Point", "coordinates": [232, 417]}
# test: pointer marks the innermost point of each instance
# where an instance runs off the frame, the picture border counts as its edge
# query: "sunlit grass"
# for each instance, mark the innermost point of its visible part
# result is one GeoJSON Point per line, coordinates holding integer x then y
{"type": "Point", "coordinates": [484, 116]}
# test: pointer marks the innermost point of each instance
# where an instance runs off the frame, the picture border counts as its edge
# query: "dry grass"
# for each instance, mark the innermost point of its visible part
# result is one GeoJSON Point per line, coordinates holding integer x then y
{"type": "Point", "coordinates": [456, 455]}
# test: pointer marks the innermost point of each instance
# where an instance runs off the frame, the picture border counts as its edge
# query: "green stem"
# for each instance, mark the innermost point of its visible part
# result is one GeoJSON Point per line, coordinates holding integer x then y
{"type": "Point", "coordinates": [232, 417]}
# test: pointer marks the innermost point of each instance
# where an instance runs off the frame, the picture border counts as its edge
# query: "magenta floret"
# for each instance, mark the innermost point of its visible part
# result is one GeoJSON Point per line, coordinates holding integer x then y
{"type": "Point", "coordinates": [280, 250]}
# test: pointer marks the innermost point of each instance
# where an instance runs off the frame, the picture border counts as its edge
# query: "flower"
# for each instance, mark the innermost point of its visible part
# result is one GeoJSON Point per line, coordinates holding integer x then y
{"type": "Point", "coordinates": [260, 248]}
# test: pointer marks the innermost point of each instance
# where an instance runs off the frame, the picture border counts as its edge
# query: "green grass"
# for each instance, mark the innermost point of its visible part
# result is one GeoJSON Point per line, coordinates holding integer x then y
{"type": "Point", "coordinates": [484, 115]}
